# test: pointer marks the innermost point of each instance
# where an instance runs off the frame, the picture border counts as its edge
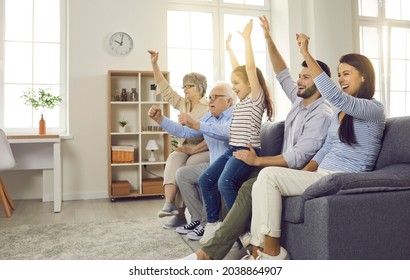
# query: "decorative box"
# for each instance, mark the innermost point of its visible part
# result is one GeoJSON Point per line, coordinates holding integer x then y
{"type": "Point", "coordinates": [120, 188]}
{"type": "Point", "coordinates": [152, 186]}
{"type": "Point", "coordinates": [122, 154]}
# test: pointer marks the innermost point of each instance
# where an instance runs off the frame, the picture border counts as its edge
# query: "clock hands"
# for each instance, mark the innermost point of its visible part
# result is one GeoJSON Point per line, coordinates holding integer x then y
{"type": "Point", "coordinates": [122, 40]}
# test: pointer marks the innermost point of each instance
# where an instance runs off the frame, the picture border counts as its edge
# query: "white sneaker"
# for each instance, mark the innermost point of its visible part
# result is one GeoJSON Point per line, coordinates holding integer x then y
{"type": "Point", "coordinates": [210, 230]}
{"type": "Point", "coordinates": [283, 255]}
{"type": "Point", "coordinates": [245, 239]}
{"type": "Point", "coordinates": [248, 256]}
{"type": "Point", "coordinates": [191, 257]}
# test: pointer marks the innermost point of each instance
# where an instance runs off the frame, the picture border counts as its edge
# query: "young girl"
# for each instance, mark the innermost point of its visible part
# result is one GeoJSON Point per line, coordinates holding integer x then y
{"type": "Point", "coordinates": [227, 173]}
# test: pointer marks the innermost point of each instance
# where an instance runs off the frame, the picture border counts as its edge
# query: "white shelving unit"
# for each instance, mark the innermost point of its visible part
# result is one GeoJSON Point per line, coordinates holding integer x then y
{"type": "Point", "coordinates": [143, 176]}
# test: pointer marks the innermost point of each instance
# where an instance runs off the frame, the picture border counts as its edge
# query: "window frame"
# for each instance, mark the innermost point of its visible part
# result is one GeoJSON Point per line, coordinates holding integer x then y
{"type": "Point", "coordinates": [384, 26]}
{"type": "Point", "coordinates": [218, 21]}
{"type": "Point", "coordinates": [62, 128]}
{"type": "Point", "coordinates": [219, 10]}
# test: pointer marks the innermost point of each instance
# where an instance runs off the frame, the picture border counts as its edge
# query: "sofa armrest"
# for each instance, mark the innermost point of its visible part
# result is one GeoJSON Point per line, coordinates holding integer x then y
{"type": "Point", "coordinates": [390, 178]}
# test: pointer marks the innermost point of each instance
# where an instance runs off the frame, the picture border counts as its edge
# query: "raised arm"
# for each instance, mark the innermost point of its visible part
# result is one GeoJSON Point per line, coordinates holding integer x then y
{"type": "Point", "coordinates": [250, 61]}
{"type": "Point", "coordinates": [303, 43]}
{"type": "Point", "coordinates": [276, 59]}
{"type": "Point", "coordinates": [158, 76]}
{"type": "Point", "coordinates": [232, 57]}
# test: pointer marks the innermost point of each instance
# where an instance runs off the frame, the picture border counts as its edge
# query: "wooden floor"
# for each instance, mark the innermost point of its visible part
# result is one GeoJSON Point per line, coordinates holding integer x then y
{"type": "Point", "coordinates": [79, 211]}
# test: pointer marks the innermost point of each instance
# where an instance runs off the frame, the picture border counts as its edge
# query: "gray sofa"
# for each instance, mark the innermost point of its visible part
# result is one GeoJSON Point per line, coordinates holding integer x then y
{"type": "Point", "coordinates": [351, 216]}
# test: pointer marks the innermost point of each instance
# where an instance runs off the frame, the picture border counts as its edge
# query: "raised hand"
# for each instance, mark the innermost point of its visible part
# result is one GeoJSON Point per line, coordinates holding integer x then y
{"type": "Point", "coordinates": [154, 56]}
{"type": "Point", "coordinates": [228, 42]}
{"type": "Point", "coordinates": [303, 43]}
{"type": "Point", "coordinates": [185, 119]}
{"type": "Point", "coordinates": [246, 33]}
{"type": "Point", "coordinates": [265, 25]}
{"type": "Point", "coordinates": [155, 113]}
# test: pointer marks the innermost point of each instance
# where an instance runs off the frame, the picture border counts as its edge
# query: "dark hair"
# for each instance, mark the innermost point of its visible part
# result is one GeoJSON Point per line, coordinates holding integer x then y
{"type": "Point", "coordinates": [241, 72]}
{"type": "Point", "coordinates": [367, 89]}
{"type": "Point", "coordinates": [322, 65]}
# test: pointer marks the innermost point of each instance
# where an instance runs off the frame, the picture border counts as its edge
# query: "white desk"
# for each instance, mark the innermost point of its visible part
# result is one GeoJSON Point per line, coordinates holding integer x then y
{"type": "Point", "coordinates": [34, 152]}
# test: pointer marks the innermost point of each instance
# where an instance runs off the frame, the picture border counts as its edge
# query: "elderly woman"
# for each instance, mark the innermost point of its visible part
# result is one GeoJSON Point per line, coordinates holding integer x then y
{"type": "Point", "coordinates": [193, 150]}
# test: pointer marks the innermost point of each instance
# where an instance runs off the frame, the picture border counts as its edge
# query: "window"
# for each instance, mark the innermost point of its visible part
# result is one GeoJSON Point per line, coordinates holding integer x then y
{"type": "Point", "coordinates": [197, 33]}
{"type": "Point", "coordinates": [384, 31]}
{"type": "Point", "coordinates": [33, 55]}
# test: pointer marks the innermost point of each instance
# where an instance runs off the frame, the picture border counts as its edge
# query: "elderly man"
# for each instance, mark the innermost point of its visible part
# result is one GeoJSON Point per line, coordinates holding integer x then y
{"type": "Point", "coordinates": [214, 126]}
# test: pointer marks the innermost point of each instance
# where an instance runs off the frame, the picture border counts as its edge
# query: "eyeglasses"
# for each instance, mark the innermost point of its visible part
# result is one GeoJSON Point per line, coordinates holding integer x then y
{"type": "Point", "coordinates": [187, 86]}
{"type": "Point", "coordinates": [214, 97]}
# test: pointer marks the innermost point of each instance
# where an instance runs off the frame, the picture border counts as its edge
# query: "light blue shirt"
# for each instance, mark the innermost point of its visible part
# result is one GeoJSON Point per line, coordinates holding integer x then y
{"type": "Point", "coordinates": [215, 131]}
{"type": "Point", "coordinates": [368, 126]}
{"type": "Point", "coordinates": [305, 126]}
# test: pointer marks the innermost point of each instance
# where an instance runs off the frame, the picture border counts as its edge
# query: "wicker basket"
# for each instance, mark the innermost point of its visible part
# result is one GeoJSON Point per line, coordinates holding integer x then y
{"type": "Point", "coordinates": [122, 154]}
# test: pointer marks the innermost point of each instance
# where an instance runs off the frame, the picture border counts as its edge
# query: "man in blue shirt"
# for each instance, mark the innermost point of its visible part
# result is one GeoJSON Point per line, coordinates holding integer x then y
{"type": "Point", "coordinates": [214, 126]}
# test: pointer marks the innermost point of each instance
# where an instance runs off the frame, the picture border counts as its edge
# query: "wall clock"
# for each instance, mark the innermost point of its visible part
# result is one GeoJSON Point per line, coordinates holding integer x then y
{"type": "Point", "coordinates": [121, 43]}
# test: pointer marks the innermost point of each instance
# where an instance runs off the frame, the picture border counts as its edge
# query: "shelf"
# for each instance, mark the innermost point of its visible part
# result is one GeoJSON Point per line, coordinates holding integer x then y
{"type": "Point", "coordinates": [125, 133]}
{"type": "Point", "coordinates": [136, 134]}
{"type": "Point", "coordinates": [126, 164]}
{"type": "Point", "coordinates": [124, 102]}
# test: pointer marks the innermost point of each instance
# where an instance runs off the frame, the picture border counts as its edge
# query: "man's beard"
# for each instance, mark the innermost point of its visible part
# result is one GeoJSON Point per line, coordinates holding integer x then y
{"type": "Point", "coordinates": [308, 92]}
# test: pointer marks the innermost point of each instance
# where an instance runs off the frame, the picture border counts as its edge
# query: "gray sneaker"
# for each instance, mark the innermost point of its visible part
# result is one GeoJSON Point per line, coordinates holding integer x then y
{"type": "Point", "coordinates": [188, 228]}
{"type": "Point", "coordinates": [168, 210]}
{"type": "Point", "coordinates": [196, 234]}
{"type": "Point", "coordinates": [175, 222]}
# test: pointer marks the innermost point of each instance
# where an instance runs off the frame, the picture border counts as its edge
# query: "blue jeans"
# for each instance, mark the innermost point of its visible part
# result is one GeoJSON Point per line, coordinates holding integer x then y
{"type": "Point", "coordinates": [225, 176]}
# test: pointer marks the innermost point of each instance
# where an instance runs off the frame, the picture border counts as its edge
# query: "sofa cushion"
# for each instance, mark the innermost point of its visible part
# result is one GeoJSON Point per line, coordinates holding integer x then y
{"type": "Point", "coordinates": [395, 147]}
{"type": "Point", "coordinates": [293, 209]}
{"type": "Point", "coordinates": [390, 178]}
{"type": "Point", "coordinates": [272, 138]}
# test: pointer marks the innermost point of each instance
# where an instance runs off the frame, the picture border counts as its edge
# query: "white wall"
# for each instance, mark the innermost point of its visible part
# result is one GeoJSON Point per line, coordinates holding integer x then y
{"type": "Point", "coordinates": [91, 22]}
{"type": "Point", "coordinates": [329, 24]}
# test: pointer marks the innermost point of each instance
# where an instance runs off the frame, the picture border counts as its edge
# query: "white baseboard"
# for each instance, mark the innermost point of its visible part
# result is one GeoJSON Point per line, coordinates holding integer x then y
{"type": "Point", "coordinates": [79, 196]}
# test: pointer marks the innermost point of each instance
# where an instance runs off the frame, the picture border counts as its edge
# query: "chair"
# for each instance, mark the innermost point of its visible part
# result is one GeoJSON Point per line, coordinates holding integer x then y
{"type": "Point", "coordinates": [6, 162]}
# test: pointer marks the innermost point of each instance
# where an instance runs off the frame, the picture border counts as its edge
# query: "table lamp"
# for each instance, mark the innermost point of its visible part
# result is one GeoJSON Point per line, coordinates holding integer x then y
{"type": "Point", "coordinates": [152, 146]}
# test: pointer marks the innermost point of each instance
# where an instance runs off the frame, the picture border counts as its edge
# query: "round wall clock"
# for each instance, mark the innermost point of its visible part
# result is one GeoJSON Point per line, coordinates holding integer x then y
{"type": "Point", "coordinates": [121, 43]}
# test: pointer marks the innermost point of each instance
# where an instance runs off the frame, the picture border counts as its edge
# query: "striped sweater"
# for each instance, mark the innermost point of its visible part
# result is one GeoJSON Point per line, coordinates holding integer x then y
{"type": "Point", "coordinates": [246, 122]}
{"type": "Point", "coordinates": [368, 124]}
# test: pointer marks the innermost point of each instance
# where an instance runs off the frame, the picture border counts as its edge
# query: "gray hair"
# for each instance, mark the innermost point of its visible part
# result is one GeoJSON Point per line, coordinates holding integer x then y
{"type": "Point", "coordinates": [227, 88]}
{"type": "Point", "coordinates": [198, 80]}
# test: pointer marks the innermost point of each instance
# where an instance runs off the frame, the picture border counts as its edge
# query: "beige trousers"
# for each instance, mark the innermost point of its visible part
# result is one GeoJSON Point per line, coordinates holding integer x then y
{"type": "Point", "coordinates": [176, 160]}
{"type": "Point", "coordinates": [273, 183]}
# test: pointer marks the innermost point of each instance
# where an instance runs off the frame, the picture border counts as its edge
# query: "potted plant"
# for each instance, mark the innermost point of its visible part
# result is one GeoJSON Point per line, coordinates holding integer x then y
{"type": "Point", "coordinates": [42, 99]}
{"type": "Point", "coordinates": [122, 124]}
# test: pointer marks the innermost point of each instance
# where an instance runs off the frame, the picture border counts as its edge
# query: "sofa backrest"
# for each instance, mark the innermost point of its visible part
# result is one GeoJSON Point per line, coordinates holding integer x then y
{"type": "Point", "coordinates": [272, 138]}
{"type": "Point", "coordinates": [271, 142]}
{"type": "Point", "coordinates": [395, 147]}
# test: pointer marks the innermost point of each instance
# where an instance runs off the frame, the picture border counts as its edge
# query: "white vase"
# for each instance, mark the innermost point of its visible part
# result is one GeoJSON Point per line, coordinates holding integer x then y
{"type": "Point", "coordinates": [122, 129]}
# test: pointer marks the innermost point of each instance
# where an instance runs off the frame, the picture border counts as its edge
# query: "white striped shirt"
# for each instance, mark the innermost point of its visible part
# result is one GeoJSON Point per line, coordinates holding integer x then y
{"type": "Point", "coordinates": [368, 123]}
{"type": "Point", "coordinates": [246, 122]}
